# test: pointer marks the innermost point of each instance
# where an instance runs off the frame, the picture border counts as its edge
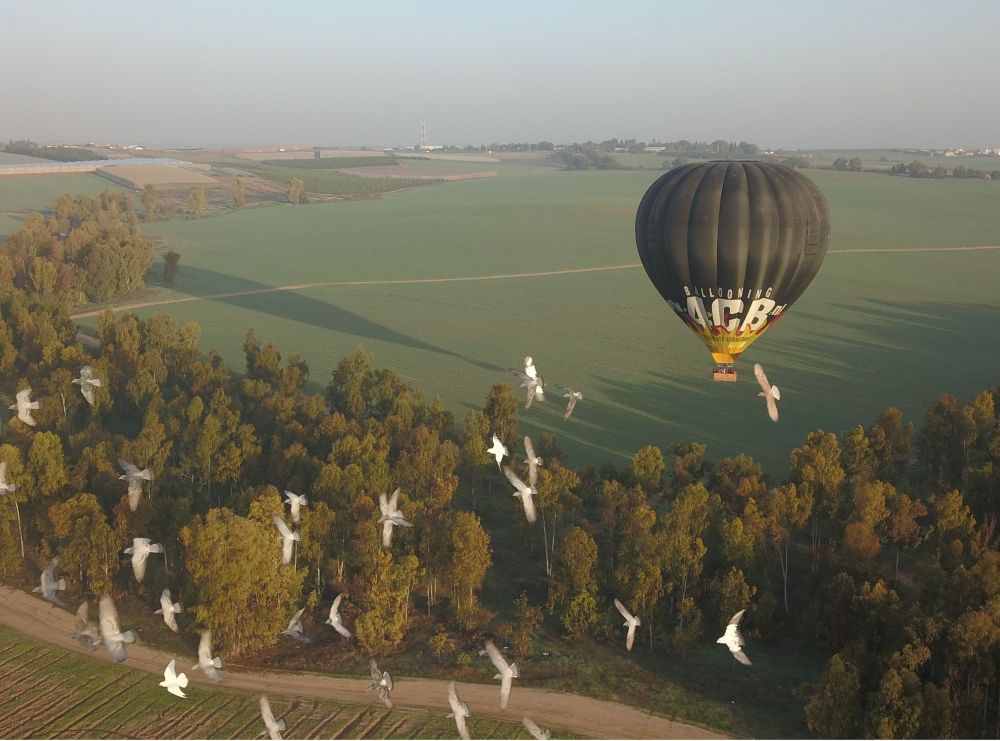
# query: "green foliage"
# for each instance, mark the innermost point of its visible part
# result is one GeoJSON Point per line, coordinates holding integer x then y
{"type": "Point", "coordinates": [239, 588]}
{"type": "Point", "coordinates": [333, 163]}
{"type": "Point", "coordinates": [580, 616]}
{"type": "Point", "coordinates": [59, 153]}
{"type": "Point", "coordinates": [648, 467]}
{"type": "Point", "coordinates": [171, 261]}
{"type": "Point", "coordinates": [527, 620]}
{"type": "Point", "coordinates": [151, 202]}
{"type": "Point", "coordinates": [197, 202]}
{"type": "Point", "coordinates": [834, 706]}
{"type": "Point", "coordinates": [296, 190]}
{"type": "Point", "coordinates": [85, 542]}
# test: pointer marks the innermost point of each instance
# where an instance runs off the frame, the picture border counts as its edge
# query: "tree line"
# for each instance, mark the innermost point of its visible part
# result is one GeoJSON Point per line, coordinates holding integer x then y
{"type": "Point", "coordinates": [60, 153]}
{"type": "Point", "coordinates": [88, 249]}
{"type": "Point", "coordinates": [917, 169]}
{"type": "Point", "coordinates": [880, 544]}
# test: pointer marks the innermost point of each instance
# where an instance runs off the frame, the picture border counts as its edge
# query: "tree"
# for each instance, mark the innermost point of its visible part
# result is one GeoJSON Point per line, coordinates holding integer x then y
{"type": "Point", "coordinates": [736, 479]}
{"type": "Point", "coordinates": [296, 190]}
{"type": "Point", "coordinates": [815, 470]}
{"type": "Point", "coordinates": [683, 549]}
{"type": "Point", "coordinates": [239, 193]}
{"type": "Point", "coordinates": [688, 628]}
{"type": "Point", "coordinates": [527, 620]}
{"type": "Point", "coordinates": [469, 559]}
{"type": "Point", "coordinates": [501, 411]}
{"type": "Point", "coordinates": [573, 584]}
{"type": "Point", "coordinates": [855, 165]}
{"type": "Point", "coordinates": [151, 202]}
{"type": "Point", "coordinates": [901, 527]}
{"type": "Point", "coordinates": [197, 202]}
{"type": "Point", "coordinates": [891, 443]}
{"type": "Point", "coordinates": [386, 600]}
{"type": "Point", "coordinates": [840, 163]}
{"type": "Point", "coordinates": [86, 543]}
{"type": "Point", "coordinates": [689, 466]}
{"type": "Point", "coordinates": [246, 596]}
{"type": "Point", "coordinates": [647, 469]}
{"type": "Point", "coordinates": [834, 706]}
{"type": "Point", "coordinates": [786, 511]}
{"type": "Point", "coordinates": [170, 263]}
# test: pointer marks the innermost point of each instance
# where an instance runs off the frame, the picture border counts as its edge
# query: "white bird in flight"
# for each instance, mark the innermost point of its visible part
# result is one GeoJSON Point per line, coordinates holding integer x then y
{"type": "Point", "coordinates": [770, 393]}
{"type": "Point", "coordinates": [87, 632]}
{"type": "Point", "coordinates": [505, 672]}
{"type": "Point", "coordinates": [50, 586]}
{"type": "Point", "coordinates": [140, 550]}
{"type": "Point", "coordinates": [573, 396]}
{"type": "Point", "coordinates": [535, 731]}
{"type": "Point", "coordinates": [381, 681]}
{"type": "Point", "coordinates": [288, 538]}
{"type": "Point", "coordinates": [295, 502]}
{"type": "Point", "coordinates": [532, 460]}
{"type": "Point", "coordinates": [459, 711]}
{"type": "Point", "coordinates": [733, 639]}
{"type": "Point", "coordinates": [274, 727]}
{"type": "Point", "coordinates": [172, 681]}
{"type": "Point", "coordinates": [534, 385]}
{"type": "Point", "coordinates": [168, 608]}
{"type": "Point", "coordinates": [390, 516]}
{"type": "Point", "coordinates": [111, 633]}
{"type": "Point", "coordinates": [631, 621]}
{"type": "Point", "coordinates": [206, 662]}
{"type": "Point", "coordinates": [498, 451]}
{"type": "Point", "coordinates": [295, 629]}
{"type": "Point", "coordinates": [334, 618]}
{"type": "Point", "coordinates": [134, 477]}
{"type": "Point", "coordinates": [88, 383]}
{"type": "Point", "coordinates": [6, 487]}
{"type": "Point", "coordinates": [524, 491]}
{"type": "Point", "coordinates": [24, 406]}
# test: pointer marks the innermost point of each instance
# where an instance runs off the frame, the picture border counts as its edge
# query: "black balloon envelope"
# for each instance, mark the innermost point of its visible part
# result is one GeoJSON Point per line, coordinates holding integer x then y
{"type": "Point", "coordinates": [730, 245]}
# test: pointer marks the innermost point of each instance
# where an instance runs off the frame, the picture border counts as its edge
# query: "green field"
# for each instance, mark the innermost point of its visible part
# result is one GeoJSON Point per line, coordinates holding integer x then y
{"type": "Point", "coordinates": [873, 330]}
{"type": "Point", "coordinates": [20, 194]}
{"type": "Point", "coordinates": [49, 692]}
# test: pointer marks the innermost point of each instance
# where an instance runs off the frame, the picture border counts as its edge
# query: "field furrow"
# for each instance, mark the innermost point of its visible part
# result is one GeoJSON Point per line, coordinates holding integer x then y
{"type": "Point", "coordinates": [346, 728]}
{"type": "Point", "coordinates": [318, 728]}
{"type": "Point", "coordinates": [81, 705]}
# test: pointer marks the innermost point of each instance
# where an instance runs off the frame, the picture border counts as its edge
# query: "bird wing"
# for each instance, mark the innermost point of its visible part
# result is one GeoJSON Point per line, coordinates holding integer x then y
{"type": "Point", "coordinates": [373, 670]}
{"type": "Point", "coordinates": [86, 373]}
{"type": "Point", "coordinates": [338, 626]}
{"type": "Point", "coordinates": [295, 624]}
{"type": "Point", "coordinates": [286, 550]}
{"type": "Point", "coordinates": [108, 617]}
{"type": "Point", "coordinates": [23, 397]}
{"type": "Point", "coordinates": [463, 730]}
{"type": "Point", "coordinates": [394, 500]}
{"type": "Point", "coordinates": [205, 648]}
{"type": "Point", "coordinates": [735, 619]}
{"type": "Point", "coordinates": [772, 408]}
{"type": "Point", "coordinates": [3, 472]}
{"type": "Point", "coordinates": [624, 610]}
{"type": "Point", "coordinates": [504, 691]}
{"type": "Point", "coordinates": [497, 658]}
{"type": "Point", "coordinates": [513, 479]}
{"type": "Point", "coordinates": [453, 697]}
{"type": "Point", "coordinates": [279, 523]}
{"type": "Point", "coordinates": [742, 658]}
{"type": "Point", "coordinates": [265, 712]}
{"type": "Point", "coordinates": [129, 468]}
{"type": "Point", "coordinates": [82, 614]}
{"type": "Point", "coordinates": [569, 407]}
{"type": "Point", "coordinates": [528, 502]}
{"type": "Point", "coordinates": [88, 394]}
{"type": "Point", "coordinates": [170, 673]}
{"type": "Point", "coordinates": [386, 533]}
{"type": "Point", "coordinates": [533, 729]}
{"type": "Point", "coordinates": [758, 372]}
{"type": "Point", "coordinates": [335, 607]}
{"type": "Point", "coordinates": [630, 637]}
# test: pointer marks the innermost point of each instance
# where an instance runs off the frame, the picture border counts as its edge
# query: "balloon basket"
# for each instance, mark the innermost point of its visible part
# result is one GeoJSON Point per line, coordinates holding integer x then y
{"type": "Point", "coordinates": [724, 374]}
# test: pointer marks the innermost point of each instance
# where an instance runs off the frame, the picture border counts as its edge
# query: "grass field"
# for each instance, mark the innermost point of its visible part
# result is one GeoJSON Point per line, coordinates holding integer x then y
{"type": "Point", "coordinates": [873, 330]}
{"type": "Point", "coordinates": [48, 692]}
{"type": "Point", "coordinates": [23, 193]}
{"type": "Point", "coordinates": [330, 182]}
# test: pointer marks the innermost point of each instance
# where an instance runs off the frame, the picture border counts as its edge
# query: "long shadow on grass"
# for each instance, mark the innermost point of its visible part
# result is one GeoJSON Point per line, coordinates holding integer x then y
{"type": "Point", "coordinates": [294, 306]}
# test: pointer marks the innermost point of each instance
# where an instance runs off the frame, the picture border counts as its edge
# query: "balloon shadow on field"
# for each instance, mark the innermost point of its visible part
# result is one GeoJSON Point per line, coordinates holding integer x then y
{"type": "Point", "coordinates": [293, 306]}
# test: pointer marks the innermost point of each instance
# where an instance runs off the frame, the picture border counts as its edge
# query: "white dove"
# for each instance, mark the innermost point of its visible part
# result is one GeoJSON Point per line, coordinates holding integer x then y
{"type": "Point", "coordinates": [50, 586]}
{"type": "Point", "coordinates": [172, 681]}
{"type": "Point", "coordinates": [206, 662]}
{"type": "Point", "coordinates": [296, 502]}
{"type": "Point", "coordinates": [534, 386]}
{"type": "Point", "coordinates": [5, 486]}
{"type": "Point", "coordinates": [274, 727]}
{"type": "Point", "coordinates": [524, 491]}
{"type": "Point", "coordinates": [288, 538]}
{"type": "Point", "coordinates": [532, 460]}
{"type": "Point", "coordinates": [334, 619]}
{"type": "Point", "coordinates": [459, 711]}
{"type": "Point", "coordinates": [168, 609]}
{"type": "Point", "coordinates": [498, 451]}
{"type": "Point", "coordinates": [770, 393]}
{"type": "Point", "coordinates": [88, 383]}
{"type": "Point", "coordinates": [534, 730]}
{"type": "Point", "coordinates": [87, 633]}
{"type": "Point", "coordinates": [114, 639]}
{"type": "Point", "coordinates": [24, 406]}
{"type": "Point", "coordinates": [733, 639]}
{"type": "Point", "coordinates": [506, 672]}
{"type": "Point", "coordinates": [631, 621]}
{"type": "Point", "coordinates": [134, 477]}
{"type": "Point", "coordinates": [140, 550]}
{"type": "Point", "coordinates": [381, 681]}
{"type": "Point", "coordinates": [295, 630]}
{"type": "Point", "coordinates": [573, 396]}
{"type": "Point", "coordinates": [390, 516]}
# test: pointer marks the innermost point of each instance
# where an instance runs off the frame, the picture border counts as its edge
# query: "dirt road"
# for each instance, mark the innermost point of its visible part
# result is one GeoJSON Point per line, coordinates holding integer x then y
{"type": "Point", "coordinates": [580, 715]}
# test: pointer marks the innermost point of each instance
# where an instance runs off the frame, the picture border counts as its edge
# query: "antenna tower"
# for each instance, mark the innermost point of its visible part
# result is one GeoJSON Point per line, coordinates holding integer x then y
{"type": "Point", "coordinates": [423, 135]}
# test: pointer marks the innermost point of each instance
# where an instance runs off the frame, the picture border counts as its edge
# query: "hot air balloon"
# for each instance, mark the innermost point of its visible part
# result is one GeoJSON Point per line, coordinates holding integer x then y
{"type": "Point", "coordinates": [730, 245]}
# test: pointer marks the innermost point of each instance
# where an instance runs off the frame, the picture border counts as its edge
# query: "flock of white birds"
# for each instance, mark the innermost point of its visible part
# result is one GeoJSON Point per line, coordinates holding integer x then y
{"type": "Point", "coordinates": [109, 634]}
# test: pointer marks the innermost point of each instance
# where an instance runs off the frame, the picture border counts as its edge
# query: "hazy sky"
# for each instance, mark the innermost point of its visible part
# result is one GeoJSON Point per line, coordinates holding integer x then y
{"type": "Point", "coordinates": [780, 74]}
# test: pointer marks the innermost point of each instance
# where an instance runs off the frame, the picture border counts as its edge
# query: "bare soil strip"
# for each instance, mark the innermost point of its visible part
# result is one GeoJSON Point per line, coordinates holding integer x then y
{"type": "Point", "coordinates": [579, 715]}
{"type": "Point", "coordinates": [463, 279]}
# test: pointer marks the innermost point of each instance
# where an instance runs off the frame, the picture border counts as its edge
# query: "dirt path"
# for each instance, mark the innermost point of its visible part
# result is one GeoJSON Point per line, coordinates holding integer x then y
{"type": "Point", "coordinates": [464, 279]}
{"type": "Point", "coordinates": [580, 715]}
